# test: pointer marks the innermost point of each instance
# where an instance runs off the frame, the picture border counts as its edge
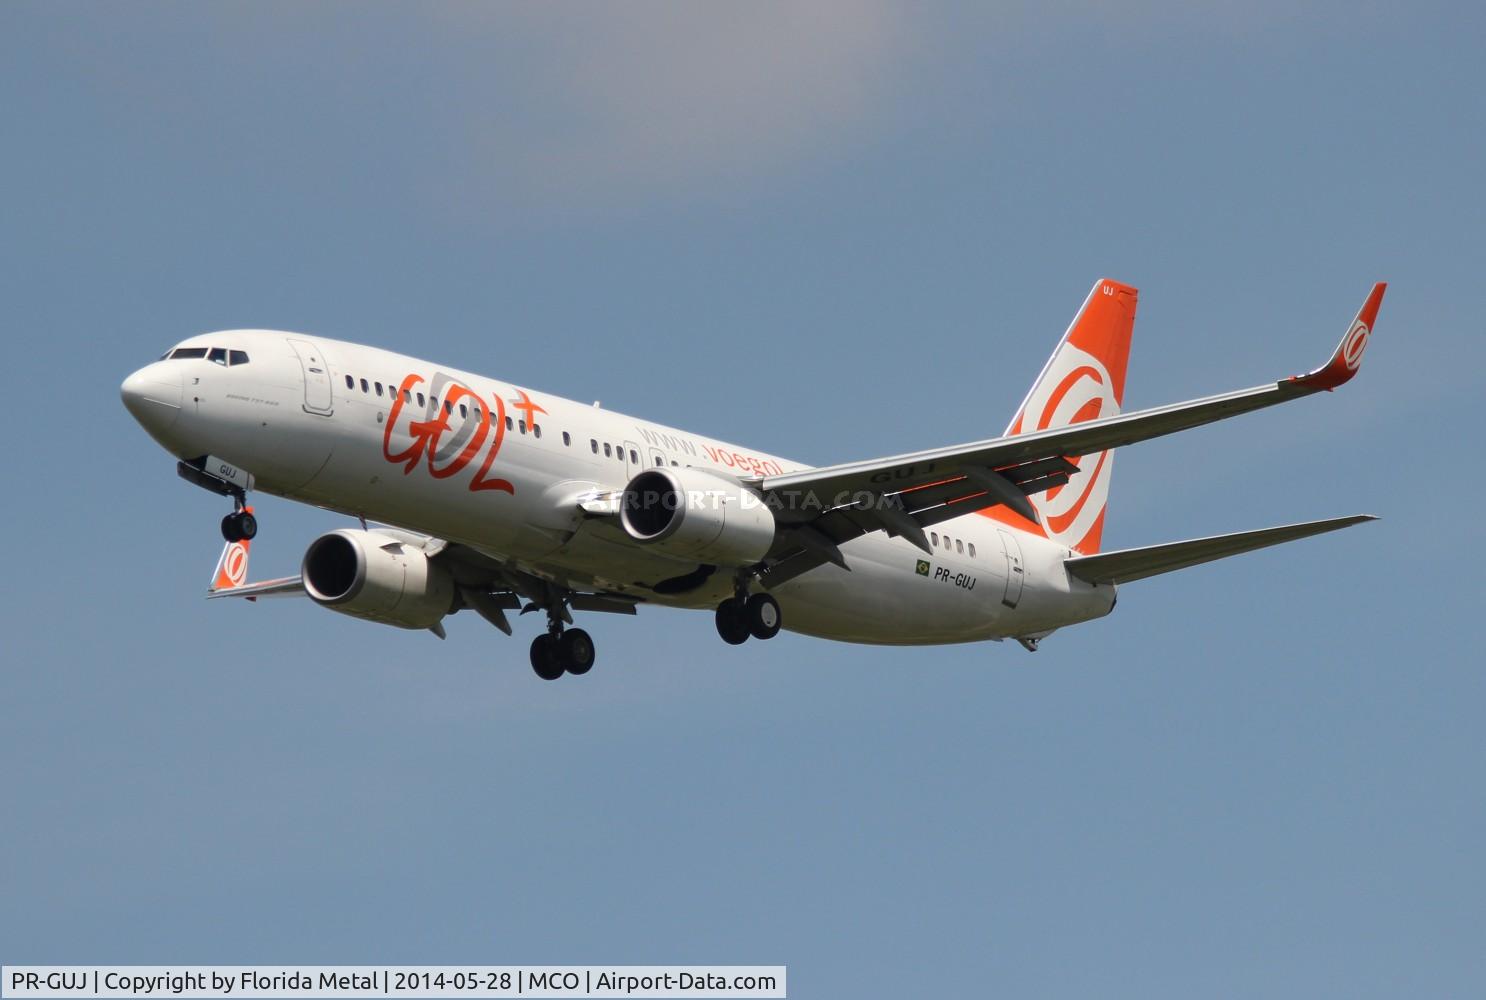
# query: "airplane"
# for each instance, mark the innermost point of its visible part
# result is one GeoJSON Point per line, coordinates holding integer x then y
{"type": "Point", "coordinates": [474, 493]}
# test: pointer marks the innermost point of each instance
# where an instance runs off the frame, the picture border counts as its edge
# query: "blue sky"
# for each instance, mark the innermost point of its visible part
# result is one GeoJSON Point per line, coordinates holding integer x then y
{"type": "Point", "coordinates": [829, 233]}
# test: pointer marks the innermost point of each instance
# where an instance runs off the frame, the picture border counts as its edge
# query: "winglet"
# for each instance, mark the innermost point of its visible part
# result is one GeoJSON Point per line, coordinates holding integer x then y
{"type": "Point", "coordinates": [232, 567]}
{"type": "Point", "coordinates": [1348, 355]}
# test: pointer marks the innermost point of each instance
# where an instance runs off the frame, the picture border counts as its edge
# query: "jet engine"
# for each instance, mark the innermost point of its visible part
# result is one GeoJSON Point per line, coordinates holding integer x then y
{"type": "Point", "coordinates": [375, 576]}
{"type": "Point", "coordinates": [697, 515]}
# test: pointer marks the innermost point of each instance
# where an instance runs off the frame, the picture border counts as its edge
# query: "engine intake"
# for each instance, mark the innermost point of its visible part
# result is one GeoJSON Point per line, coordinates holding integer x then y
{"type": "Point", "coordinates": [698, 515]}
{"type": "Point", "coordinates": [377, 577]}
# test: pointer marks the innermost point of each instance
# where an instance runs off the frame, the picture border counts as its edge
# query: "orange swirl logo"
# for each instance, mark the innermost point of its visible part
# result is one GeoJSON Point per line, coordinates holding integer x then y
{"type": "Point", "coordinates": [1076, 388]}
{"type": "Point", "coordinates": [1354, 345]}
{"type": "Point", "coordinates": [235, 564]}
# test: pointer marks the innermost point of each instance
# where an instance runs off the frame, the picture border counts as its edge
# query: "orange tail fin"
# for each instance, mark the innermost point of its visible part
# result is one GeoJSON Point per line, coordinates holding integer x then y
{"type": "Point", "coordinates": [1083, 380]}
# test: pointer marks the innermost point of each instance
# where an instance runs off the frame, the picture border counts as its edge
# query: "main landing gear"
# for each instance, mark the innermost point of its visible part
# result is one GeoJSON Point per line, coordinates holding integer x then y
{"type": "Point", "coordinates": [740, 617]}
{"type": "Point", "coordinates": [561, 651]}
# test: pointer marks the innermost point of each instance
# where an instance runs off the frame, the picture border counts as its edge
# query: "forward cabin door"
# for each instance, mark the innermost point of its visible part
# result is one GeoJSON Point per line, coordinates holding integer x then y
{"type": "Point", "coordinates": [317, 396]}
{"type": "Point", "coordinates": [1015, 572]}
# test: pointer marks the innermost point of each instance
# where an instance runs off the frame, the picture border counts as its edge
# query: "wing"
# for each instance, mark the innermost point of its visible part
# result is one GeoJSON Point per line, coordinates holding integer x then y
{"type": "Point", "coordinates": [902, 494]}
{"type": "Point", "coordinates": [287, 586]}
{"type": "Point", "coordinates": [487, 584]}
{"type": "Point", "coordinates": [1152, 560]}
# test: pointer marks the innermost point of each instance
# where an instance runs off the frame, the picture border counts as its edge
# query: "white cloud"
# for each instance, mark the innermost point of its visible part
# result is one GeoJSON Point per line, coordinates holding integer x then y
{"type": "Point", "coordinates": [625, 102]}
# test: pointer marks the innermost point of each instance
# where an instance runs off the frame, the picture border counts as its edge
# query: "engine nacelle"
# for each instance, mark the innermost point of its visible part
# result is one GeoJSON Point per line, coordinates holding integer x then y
{"type": "Point", "coordinates": [375, 576]}
{"type": "Point", "coordinates": [697, 515]}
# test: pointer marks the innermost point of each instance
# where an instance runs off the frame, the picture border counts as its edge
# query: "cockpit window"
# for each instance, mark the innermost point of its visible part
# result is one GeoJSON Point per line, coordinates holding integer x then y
{"type": "Point", "coordinates": [238, 357]}
{"type": "Point", "coordinates": [187, 352]}
{"type": "Point", "coordinates": [218, 355]}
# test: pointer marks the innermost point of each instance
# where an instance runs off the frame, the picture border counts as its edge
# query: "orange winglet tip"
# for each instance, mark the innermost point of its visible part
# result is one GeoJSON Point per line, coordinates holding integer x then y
{"type": "Point", "coordinates": [232, 566]}
{"type": "Point", "coordinates": [1347, 357]}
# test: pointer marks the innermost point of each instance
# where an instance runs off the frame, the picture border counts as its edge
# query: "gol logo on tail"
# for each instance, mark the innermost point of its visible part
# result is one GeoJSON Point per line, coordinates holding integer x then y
{"type": "Point", "coordinates": [1077, 388]}
{"type": "Point", "coordinates": [234, 568]}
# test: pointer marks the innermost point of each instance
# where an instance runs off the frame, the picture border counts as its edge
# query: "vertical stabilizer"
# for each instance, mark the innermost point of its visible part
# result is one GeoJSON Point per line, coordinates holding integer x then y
{"type": "Point", "coordinates": [1083, 380]}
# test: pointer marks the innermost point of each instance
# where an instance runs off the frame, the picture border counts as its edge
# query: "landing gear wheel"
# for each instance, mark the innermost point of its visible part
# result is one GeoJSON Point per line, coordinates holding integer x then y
{"type": "Point", "coordinates": [575, 651]}
{"type": "Point", "coordinates": [239, 526]}
{"type": "Point", "coordinates": [732, 624]}
{"type": "Point", "coordinates": [761, 612]}
{"type": "Point", "coordinates": [545, 659]}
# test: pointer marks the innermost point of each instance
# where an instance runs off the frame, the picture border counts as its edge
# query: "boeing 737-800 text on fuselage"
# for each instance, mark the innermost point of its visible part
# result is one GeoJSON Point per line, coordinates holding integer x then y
{"type": "Point", "coordinates": [494, 497]}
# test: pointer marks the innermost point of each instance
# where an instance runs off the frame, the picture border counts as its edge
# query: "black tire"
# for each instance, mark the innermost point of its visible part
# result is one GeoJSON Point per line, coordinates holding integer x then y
{"type": "Point", "coordinates": [575, 650]}
{"type": "Point", "coordinates": [247, 526]}
{"type": "Point", "coordinates": [231, 530]}
{"type": "Point", "coordinates": [545, 659]}
{"type": "Point", "coordinates": [763, 616]}
{"type": "Point", "coordinates": [731, 623]}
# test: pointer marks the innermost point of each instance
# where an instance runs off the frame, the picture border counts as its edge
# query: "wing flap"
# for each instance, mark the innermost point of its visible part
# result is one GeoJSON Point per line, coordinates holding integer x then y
{"type": "Point", "coordinates": [1137, 564]}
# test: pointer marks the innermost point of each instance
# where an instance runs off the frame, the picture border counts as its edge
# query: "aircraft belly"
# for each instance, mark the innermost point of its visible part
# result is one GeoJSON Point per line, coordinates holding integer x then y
{"type": "Point", "coordinates": [884, 599]}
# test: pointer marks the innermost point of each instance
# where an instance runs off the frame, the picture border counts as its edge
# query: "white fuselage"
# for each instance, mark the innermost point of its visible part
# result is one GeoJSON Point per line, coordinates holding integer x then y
{"type": "Point", "coordinates": [296, 416]}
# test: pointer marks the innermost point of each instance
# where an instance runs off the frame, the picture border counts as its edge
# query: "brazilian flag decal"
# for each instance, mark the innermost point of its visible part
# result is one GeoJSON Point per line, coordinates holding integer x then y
{"type": "Point", "coordinates": [922, 569]}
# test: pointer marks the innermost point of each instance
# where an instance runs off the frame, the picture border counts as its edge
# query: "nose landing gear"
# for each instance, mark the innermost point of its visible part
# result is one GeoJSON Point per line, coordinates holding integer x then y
{"type": "Point", "coordinates": [240, 525]}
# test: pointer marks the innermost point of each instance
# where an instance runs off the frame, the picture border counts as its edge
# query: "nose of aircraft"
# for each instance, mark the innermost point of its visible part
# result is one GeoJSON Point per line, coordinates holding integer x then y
{"type": "Point", "coordinates": [153, 395]}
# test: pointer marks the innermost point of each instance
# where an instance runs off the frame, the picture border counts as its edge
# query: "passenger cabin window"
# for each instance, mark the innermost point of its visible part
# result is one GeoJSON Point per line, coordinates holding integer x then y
{"type": "Point", "coordinates": [510, 424]}
{"type": "Point", "coordinates": [350, 382]}
{"type": "Point", "coordinates": [934, 535]}
{"type": "Point", "coordinates": [464, 412]}
{"type": "Point", "coordinates": [607, 450]}
{"type": "Point", "coordinates": [521, 424]}
{"type": "Point", "coordinates": [959, 546]}
{"type": "Point", "coordinates": [594, 444]}
{"type": "Point", "coordinates": [972, 550]}
{"type": "Point", "coordinates": [421, 400]}
{"type": "Point", "coordinates": [633, 457]}
{"type": "Point", "coordinates": [364, 386]}
{"type": "Point", "coordinates": [536, 430]}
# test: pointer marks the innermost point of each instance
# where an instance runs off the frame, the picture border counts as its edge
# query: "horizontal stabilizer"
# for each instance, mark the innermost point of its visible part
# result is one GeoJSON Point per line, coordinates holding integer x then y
{"type": "Point", "coordinates": [289, 586]}
{"type": "Point", "coordinates": [1153, 560]}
